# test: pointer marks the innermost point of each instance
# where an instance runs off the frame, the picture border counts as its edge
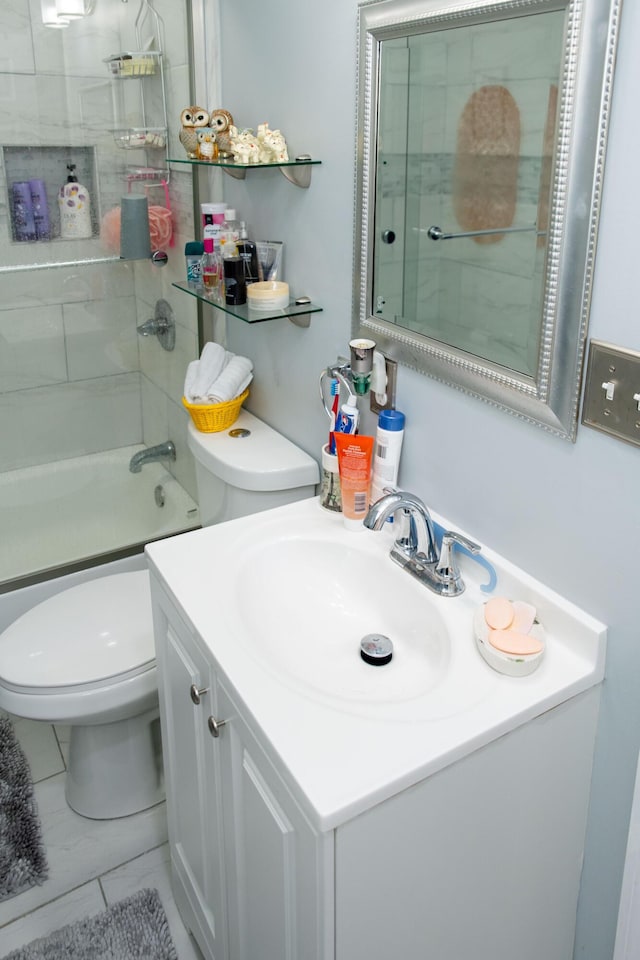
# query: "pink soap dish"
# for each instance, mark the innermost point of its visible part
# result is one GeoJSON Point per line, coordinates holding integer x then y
{"type": "Point", "coordinates": [511, 664]}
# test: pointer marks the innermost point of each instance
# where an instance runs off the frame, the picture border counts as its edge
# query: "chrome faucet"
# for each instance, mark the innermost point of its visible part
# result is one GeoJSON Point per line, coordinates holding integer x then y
{"type": "Point", "coordinates": [162, 451]}
{"type": "Point", "coordinates": [416, 548]}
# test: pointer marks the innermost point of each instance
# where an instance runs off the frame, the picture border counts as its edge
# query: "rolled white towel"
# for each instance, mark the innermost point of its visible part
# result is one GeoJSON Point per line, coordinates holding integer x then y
{"type": "Point", "coordinates": [234, 379]}
{"type": "Point", "coordinates": [189, 379]}
{"type": "Point", "coordinates": [212, 362]}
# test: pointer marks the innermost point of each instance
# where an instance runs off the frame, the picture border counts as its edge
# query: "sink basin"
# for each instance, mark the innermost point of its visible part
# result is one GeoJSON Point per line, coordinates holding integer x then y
{"type": "Point", "coordinates": [306, 599]}
{"type": "Point", "coordinates": [306, 604]}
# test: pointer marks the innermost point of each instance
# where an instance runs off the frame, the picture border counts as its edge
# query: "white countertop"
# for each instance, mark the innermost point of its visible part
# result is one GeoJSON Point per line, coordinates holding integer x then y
{"type": "Point", "coordinates": [340, 759]}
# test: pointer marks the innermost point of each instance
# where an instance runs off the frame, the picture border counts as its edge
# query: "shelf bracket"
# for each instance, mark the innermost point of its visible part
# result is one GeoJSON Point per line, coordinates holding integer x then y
{"type": "Point", "coordinates": [299, 176]}
{"type": "Point", "coordinates": [301, 320]}
{"type": "Point", "coordinates": [238, 173]}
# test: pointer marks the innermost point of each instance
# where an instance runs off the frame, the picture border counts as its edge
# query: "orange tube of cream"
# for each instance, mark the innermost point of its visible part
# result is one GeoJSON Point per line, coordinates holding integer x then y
{"type": "Point", "coordinates": [355, 456]}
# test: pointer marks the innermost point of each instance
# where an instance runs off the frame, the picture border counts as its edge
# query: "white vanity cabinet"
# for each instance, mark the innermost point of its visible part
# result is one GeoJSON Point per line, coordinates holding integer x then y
{"type": "Point", "coordinates": [447, 825]}
{"type": "Point", "coordinates": [193, 782]}
{"type": "Point", "coordinates": [247, 867]}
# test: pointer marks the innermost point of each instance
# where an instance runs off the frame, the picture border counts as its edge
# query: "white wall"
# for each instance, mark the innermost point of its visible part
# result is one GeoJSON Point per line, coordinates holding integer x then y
{"type": "Point", "coordinates": [569, 514]}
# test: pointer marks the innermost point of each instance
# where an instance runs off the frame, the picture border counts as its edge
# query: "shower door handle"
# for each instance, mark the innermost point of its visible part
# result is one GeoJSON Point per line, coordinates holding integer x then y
{"type": "Point", "coordinates": [437, 233]}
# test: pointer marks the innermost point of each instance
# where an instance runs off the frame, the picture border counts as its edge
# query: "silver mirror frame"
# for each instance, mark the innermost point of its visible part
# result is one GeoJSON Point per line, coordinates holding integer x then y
{"type": "Point", "coordinates": [551, 400]}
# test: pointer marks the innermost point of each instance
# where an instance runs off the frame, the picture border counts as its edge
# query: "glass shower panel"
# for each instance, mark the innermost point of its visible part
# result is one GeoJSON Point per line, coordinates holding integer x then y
{"type": "Point", "coordinates": [80, 391]}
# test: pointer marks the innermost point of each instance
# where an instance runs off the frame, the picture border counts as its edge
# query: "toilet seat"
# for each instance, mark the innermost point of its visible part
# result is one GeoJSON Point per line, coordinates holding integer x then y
{"type": "Point", "coordinates": [89, 634]}
{"type": "Point", "coordinates": [84, 655]}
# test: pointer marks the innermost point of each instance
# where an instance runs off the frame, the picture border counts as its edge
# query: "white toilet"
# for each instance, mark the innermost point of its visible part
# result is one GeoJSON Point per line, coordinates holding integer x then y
{"type": "Point", "coordinates": [85, 656]}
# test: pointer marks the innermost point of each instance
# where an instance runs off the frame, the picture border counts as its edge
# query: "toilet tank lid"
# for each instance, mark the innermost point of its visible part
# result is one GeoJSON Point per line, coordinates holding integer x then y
{"type": "Point", "coordinates": [264, 460]}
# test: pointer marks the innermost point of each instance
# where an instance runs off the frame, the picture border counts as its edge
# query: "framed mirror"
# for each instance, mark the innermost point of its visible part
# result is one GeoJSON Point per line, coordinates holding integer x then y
{"type": "Point", "coordinates": [480, 154]}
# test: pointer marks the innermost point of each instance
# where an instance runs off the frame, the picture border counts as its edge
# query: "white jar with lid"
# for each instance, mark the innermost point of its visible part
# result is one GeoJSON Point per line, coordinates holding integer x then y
{"type": "Point", "coordinates": [212, 220]}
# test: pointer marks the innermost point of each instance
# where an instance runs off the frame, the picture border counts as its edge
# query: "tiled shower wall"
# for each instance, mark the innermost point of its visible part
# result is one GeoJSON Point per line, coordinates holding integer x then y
{"type": "Point", "coordinates": [75, 377]}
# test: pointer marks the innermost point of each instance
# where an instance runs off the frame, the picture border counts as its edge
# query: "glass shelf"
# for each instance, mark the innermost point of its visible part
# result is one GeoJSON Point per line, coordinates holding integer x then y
{"type": "Point", "coordinates": [297, 172]}
{"type": "Point", "coordinates": [297, 313]}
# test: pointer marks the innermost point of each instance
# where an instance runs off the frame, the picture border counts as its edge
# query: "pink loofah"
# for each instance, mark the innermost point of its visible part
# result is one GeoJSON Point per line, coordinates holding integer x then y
{"type": "Point", "coordinates": [160, 228]}
{"type": "Point", "coordinates": [110, 230]}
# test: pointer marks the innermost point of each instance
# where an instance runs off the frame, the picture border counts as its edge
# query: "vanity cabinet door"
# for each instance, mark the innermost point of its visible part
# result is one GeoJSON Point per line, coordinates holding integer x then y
{"type": "Point", "coordinates": [279, 870]}
{"type": "Point", "coordinates": [192, 782]}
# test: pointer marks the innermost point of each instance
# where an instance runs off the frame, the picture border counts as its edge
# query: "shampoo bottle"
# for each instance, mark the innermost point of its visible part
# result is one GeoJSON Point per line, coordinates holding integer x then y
{"type": "Point", "coordinates": [74, 205]}
{"type": "Point", "coordinates": [40, 209]}
{"type": "Point", "coordinates": [24, 225]}
{"type": "Point", "coordinates": [386, 456]}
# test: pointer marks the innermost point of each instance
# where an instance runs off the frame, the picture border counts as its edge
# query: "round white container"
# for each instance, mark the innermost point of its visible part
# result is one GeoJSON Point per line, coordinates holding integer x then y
{"type": "Point", "coordinates": [513, 665]}
{"type": "Point", "coordinates": [268, 295]}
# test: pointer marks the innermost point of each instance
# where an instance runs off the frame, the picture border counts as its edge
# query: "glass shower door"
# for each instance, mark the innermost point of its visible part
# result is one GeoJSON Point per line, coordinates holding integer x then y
{"type": "Point", "coordinates": [80, 390]}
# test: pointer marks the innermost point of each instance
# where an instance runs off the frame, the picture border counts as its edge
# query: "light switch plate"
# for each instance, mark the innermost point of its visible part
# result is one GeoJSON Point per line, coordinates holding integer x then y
{"type": "Point", "coordinates": [612, 392]}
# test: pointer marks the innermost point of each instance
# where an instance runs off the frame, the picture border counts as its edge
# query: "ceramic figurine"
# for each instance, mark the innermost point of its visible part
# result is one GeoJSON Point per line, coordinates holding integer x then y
{"type": "Point", "coordinates": [244, 146]}
{"type": "Point", "coordinates": [221, 121]}
{"type": "Point", "coordinates": [192, 119]}
{"type": "Point", "coordinates": [272, 145]}
{"type": "Point", "coordinates": [207, 148]}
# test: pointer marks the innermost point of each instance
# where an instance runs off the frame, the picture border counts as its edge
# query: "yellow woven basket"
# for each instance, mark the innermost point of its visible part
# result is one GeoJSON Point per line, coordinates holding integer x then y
{"type": "Point", "coordinates": [213, 417]}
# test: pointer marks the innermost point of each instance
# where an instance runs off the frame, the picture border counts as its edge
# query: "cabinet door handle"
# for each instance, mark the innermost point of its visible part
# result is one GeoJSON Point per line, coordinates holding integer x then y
{"type": "Point", "coordinates": [196, 693]}
{"type": "Point", "coordinates": [215, 725]}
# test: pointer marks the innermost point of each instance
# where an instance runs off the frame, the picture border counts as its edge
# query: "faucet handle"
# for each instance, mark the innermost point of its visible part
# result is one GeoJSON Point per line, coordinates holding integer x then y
{"type": "Point", "coordinates": [447, 569]}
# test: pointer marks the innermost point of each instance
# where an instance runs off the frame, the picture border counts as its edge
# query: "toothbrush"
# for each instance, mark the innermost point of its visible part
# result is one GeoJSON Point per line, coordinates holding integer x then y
{"type": "Point", "coordinates": [335, 407]}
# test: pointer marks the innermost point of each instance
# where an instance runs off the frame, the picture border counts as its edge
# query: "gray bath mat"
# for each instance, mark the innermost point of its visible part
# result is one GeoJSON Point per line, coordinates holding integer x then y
{"type": "Point", "coordinates": [132, 929]}
{"type": "Point", "coordinates": [22, 858]}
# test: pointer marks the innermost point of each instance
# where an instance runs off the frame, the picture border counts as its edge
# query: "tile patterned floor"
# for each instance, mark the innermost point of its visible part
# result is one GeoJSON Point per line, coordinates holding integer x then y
{"type": "Point", "coordinates": [92, 863]}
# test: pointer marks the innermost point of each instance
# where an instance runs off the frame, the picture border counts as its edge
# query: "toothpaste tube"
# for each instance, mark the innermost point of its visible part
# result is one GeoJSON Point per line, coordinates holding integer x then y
{"type": "Point", "coordinates": [346, 421]}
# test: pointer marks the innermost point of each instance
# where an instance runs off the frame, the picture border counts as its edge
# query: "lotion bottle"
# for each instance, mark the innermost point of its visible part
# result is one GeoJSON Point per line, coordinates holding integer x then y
{"type": "Point", "coordinates": [74, 204]}
{"type": "Point", "coordinates": [386, 456]}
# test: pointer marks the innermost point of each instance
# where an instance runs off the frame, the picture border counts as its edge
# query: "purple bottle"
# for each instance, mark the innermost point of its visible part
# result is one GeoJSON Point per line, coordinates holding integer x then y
{"type": "Point", "coordinates": [24, 227]}
{"type": "Point", "coordinates": [40, 209]}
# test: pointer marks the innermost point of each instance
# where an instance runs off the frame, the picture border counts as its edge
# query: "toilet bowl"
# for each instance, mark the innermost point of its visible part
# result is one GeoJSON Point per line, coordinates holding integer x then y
{"type": "Point", "coordinates": [86, 657]}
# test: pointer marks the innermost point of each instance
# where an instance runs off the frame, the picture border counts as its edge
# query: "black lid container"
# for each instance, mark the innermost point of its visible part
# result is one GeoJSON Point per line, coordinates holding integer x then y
{"type": "Point", "coordinates": [235, 288]}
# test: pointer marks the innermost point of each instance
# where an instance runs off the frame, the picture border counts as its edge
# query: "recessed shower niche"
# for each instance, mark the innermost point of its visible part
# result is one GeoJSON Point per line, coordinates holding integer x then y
{"type": "Point", "coordinates": [47, 166]}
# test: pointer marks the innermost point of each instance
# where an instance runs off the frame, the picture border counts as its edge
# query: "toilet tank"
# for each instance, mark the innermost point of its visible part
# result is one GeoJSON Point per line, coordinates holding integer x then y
{"type": "Point", "coordinates": [248, 468]}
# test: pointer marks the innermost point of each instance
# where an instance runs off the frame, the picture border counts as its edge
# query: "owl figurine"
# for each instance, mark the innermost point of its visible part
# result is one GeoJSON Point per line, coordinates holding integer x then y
{"type": "Point", "coordinates": [192, 119]}
{"type": "Point", "coordinates": [207, 148]}
{"type": "Point", "coordinates": [220, 121]}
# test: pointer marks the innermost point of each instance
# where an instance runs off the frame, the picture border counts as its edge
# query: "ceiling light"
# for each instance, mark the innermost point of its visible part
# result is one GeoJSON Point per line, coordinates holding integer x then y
{"type": "Point", "coordinates": [70, 9]}
{"type": "Point", "coordinates": [50, 16]}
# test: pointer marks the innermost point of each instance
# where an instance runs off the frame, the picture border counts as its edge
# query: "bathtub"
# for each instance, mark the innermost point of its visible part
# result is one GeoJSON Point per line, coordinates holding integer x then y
{"type": "Point", "coordinates": [65, 512]}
